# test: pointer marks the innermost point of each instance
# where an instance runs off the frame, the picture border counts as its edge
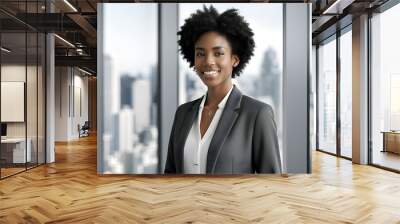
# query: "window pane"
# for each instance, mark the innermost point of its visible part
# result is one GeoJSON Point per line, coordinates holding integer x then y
{"type": "Point", "coordinates": [327, 97]}
{"type": "Point", "coordinates": [31, 89]}
{"type": "Point", "coordinates": [386, 89]}
{"type": "Point", "coordinates": [346, 94]}
{"type": "Point", "coordinates": [313, 96]}
{"type": "Point", "coordinates": [130, 88]}
{"type": "Point", "coordinates": [41, 98]}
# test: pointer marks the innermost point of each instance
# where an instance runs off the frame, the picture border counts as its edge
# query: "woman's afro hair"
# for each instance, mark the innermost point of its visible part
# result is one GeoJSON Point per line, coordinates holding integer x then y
{"type": "Point", "coordinates": [229, 24]}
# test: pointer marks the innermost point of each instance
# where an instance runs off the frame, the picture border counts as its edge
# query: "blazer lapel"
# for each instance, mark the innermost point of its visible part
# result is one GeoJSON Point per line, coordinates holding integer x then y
{"type": "Point", "coordinates": [225, 124]}
{"type": "Point", "coordinates": [187, 124]}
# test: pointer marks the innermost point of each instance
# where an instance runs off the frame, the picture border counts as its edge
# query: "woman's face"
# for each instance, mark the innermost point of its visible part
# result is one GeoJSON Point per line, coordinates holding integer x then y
{"type": "Point", "coordinates": [214, 60]}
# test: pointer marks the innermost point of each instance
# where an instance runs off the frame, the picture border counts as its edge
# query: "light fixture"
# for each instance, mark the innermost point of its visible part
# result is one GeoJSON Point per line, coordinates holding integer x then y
{"type": "Point", "coordinates": [337, 7]}
{"type": "Point", "coordinates": [70, 5]}
{"type": "Point", "coordinates": [5, 50]}
{"type": "Point", "coordinates": [84, 71]}
{"type": "Point", "coordinates": [80, 51]}
{"type": "Point", "coordinates": [64, 40]}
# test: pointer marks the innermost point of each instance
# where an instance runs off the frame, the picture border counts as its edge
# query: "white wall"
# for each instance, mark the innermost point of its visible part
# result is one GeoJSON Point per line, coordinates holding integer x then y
{"type": "Point", "coordinates": [79, 117]}
{"type": "Point", "coordinates": [61, 103]}
{"type": "Point", "coordinates": [71, 87]}
{"type": "Point", "coordinates": [13, 72]}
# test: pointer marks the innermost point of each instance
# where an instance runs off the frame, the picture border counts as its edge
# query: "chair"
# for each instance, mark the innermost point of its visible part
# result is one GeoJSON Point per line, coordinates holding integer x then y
{"type": "Point", "coordinates": [84, 130]}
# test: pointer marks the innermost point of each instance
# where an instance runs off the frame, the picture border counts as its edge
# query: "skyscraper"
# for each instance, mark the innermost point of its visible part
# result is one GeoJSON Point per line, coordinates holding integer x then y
{"type": "Point", "coordinates": [141, 101]}
{"type": "Point", "coordinates": [126, 82]}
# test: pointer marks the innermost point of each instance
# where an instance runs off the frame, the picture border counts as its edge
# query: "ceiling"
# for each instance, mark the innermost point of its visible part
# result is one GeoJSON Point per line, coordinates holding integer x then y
{"type": "Point", "coordinates": [76, 22]}
{"type": "Point", "coordinates": [77, 25]}
{"type": "Point", "coordinates": [329, 16]}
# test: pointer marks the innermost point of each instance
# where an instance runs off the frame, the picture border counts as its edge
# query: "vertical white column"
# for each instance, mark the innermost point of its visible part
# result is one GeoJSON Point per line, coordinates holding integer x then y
{"type": "Point", "coordinates": [50, 99]}
{"type": "Point", "coordinates": [100, 82]}
{"type": "Point", "coordinates": [360, 90]}
{"type": "Point", "coordinates": [169, 74]}
{"type": "Point", "coordinates": [50, 92]}
{"type": "Point", "coordinates": [296, 70]}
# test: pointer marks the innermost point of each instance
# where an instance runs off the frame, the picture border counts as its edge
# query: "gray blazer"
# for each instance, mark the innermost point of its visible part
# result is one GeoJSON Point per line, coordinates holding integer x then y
{"type": "Point", "coordinates": [245, 140]}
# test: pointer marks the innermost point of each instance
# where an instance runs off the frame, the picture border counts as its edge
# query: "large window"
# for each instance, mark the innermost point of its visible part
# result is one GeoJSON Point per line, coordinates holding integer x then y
{"type": "Point", "coordinates": [130, 137]}
{"type": "Point", "coordinates": [335, 73]}
{"type": "Point", "coordinates": [327, 96]}
{"type": "Point", "coordinates": [385, 87]}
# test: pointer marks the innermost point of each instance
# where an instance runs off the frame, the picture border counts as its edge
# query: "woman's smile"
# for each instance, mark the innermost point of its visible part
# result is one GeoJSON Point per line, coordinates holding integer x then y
{"type": "Point", "coordinates": [211, 73]}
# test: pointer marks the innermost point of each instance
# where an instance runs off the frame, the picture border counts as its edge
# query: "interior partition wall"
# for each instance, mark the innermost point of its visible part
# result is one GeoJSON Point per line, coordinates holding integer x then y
{"type": "Point", "coordinates": [13, 89]}
{"type": "Point", "coordinates": [22, 88]}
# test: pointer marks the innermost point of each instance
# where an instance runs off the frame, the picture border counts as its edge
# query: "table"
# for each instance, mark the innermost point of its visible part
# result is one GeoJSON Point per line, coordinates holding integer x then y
{"type": "Point", "coordinates": [15, 148]}
{"type": "Point", "coordinates": [391, 141]}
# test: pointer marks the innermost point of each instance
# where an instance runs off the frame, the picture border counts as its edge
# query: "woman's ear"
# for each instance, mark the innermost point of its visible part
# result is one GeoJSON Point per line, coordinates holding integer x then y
{"type": "Point", "coordinates": [236, 60]}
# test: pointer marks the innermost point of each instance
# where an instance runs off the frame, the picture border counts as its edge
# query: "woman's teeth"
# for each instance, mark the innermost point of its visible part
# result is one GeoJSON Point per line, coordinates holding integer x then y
{"type": "Point", "coordinates": [210, 73]}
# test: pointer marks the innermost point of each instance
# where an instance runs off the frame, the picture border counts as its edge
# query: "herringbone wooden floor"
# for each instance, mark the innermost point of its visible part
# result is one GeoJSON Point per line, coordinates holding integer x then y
{"type": "Point", "coordinates": [70, 191]}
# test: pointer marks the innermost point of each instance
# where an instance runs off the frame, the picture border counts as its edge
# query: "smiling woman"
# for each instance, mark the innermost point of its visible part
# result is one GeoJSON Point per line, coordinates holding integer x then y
{"type": "Point", "coordinates": [223, 132]}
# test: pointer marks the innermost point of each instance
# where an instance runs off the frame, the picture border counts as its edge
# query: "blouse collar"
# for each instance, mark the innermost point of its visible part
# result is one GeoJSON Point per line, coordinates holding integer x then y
{"type": "Point", "coordinates": [223, 101]}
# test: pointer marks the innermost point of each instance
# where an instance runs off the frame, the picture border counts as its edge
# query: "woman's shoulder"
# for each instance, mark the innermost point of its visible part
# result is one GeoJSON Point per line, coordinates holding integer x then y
{"type": "Point", "coordinates": [250, 103]}
{"type": "Point", "coordinates": [186, 106]}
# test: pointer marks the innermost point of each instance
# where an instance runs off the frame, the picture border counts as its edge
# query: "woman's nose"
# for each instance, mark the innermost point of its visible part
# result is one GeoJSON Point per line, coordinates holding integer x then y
{"type": "Point", "coordinates": [210, 60]}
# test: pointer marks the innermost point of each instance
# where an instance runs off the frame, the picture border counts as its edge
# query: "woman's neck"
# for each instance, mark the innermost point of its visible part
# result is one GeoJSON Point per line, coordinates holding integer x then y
{"type": "Point", "coordinates": [217, 93]}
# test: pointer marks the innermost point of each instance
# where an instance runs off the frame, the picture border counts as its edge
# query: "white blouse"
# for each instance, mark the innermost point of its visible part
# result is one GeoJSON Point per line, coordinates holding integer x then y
{"type": "Point", "coordinates": [196, 148]}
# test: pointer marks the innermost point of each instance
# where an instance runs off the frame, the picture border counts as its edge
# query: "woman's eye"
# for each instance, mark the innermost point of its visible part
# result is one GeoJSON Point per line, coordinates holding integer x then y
{"type": "Point", "coordinates": [217, 54]}
{"type": "Point", "coordinates": [199, 54]}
